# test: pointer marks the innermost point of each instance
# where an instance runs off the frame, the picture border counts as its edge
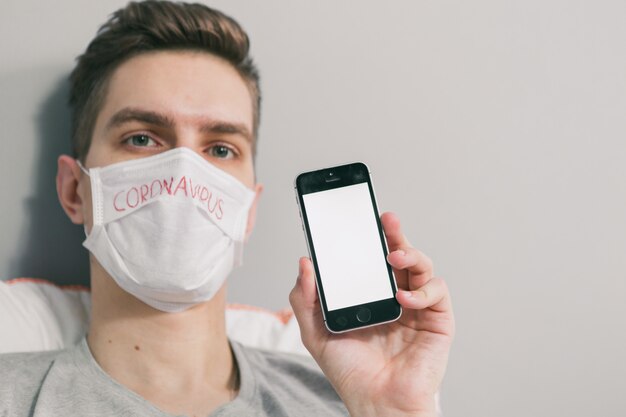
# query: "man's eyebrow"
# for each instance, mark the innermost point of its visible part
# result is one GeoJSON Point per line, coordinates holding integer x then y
{"type": "Point", "coordinates": [219, 126]}
{"type": "Point", "coordinates": [129, 114]}
{"type": "Point", "coordinates": [157, 119]}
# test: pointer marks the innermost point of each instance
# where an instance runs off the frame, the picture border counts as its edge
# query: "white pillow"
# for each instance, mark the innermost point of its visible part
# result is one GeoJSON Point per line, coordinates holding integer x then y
{"type": "Point", "coordinates": [37, 315]}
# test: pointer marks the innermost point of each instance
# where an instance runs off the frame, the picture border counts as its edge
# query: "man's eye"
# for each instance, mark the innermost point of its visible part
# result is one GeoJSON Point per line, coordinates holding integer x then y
{"type": "Point", "coordinates": [141, 140]}
{"type": "Point", "coordinates": [222, 152]}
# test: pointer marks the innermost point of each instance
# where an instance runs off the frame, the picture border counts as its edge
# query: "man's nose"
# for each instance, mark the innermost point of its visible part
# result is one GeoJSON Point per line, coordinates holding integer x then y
{"type": "Point", "coordinates": [188, 138]}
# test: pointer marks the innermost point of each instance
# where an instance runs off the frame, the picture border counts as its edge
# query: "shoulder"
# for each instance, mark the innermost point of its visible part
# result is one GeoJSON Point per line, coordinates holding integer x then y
{"type": "Point", "coordinates": [21, 376]}
{"type": "Point", "coordinates": [292, 379]}
{"type": "Point", "coordinates": [25, 365]}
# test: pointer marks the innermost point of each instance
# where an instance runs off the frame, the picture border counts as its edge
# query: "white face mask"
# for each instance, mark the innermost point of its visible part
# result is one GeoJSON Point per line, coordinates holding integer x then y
{"type": "Point", "coordinates": [168, 228]}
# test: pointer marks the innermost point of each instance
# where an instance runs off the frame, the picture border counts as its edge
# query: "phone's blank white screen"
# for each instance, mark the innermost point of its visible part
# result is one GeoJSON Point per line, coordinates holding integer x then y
{"type": "Point", "coordinates": [350, 258]}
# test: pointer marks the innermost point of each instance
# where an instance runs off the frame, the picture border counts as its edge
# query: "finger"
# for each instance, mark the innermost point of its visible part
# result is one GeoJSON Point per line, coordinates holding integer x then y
{"type": "Point", "coordinates": [434, 295]}
{"type": "Point", "coordinates": [305, 305]}
{"type": "Point", "coordinates": [412, 260]}
{"type": "Point", "coordinates": [393, 232]}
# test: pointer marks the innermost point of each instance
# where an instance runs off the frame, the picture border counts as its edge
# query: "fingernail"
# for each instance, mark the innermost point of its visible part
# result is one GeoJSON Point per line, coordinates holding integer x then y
{"type": "Point", "coordinates": [407, 293]}
{"type": "Point", "coordinates": [401, 252]}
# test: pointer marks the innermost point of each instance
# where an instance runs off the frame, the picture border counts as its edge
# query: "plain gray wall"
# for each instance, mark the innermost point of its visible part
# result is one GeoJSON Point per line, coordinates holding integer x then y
{"type": "Point", "coordinates": [495, 129]}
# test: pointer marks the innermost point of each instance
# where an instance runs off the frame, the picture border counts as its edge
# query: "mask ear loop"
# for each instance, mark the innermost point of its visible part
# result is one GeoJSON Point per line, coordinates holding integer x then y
{"type": "Point", "coordinates": [83, 168]}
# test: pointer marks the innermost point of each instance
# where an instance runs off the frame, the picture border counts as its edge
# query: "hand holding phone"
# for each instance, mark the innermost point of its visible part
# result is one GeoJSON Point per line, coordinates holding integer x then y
{"type": "Point", "coordinates": [395, 369]}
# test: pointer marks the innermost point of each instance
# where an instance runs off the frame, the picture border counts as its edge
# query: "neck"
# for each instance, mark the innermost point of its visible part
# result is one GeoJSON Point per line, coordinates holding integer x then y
{"type": "Point", "coordinates": [162, 355]}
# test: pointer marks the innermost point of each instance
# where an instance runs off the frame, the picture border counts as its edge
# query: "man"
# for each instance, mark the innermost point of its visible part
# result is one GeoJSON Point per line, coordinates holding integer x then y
{"type": "Point", "coordinates": [166, 107]}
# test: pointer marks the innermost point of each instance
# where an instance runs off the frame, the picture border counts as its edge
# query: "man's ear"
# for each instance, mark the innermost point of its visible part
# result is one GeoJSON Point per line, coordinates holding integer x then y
{"type": "Point", "coordinates": [258, 189]}
{"type": "Point", "coordinates": [68, 179]}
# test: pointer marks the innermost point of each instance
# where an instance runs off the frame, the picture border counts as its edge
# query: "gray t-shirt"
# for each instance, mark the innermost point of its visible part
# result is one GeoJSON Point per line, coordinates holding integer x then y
{"type": "Point", "coordinates": [70, 383]}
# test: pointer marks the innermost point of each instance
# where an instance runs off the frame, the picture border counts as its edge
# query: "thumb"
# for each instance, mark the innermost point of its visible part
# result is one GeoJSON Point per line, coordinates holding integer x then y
{"type": "Point", "coordinates": [306, 307]}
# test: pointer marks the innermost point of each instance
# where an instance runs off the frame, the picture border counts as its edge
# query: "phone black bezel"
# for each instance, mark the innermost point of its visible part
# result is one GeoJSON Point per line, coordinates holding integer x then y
{"type": "Point", "coordinates": [382, 311]}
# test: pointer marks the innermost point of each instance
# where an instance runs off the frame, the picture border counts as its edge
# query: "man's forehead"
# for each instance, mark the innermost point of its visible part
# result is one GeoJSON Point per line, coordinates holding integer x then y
{"type": "Point", "coordinates": [175, 84]}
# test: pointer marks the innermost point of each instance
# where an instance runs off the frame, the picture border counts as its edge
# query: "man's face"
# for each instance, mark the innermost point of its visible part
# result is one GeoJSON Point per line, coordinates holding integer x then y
{"type": "Point", "coordinates": [159, 101]}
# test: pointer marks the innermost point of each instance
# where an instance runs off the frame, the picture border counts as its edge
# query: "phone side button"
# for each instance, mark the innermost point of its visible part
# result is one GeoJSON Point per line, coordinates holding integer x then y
{"type": "Point", "coordinates": [363, 315]}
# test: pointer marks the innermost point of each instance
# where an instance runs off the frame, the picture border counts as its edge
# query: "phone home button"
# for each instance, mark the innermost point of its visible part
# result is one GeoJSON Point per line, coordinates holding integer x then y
{"type": "Point", "coordinates": [363, 315]}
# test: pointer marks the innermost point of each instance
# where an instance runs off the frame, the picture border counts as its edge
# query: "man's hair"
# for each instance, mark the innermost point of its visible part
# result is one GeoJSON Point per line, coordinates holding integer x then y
{"type": "Point", "coordinates": [151, 26]}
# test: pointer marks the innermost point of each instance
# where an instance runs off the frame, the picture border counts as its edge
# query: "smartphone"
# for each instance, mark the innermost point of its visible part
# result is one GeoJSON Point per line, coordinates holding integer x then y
{"type": "Point", "coordinates": [347, 245]}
